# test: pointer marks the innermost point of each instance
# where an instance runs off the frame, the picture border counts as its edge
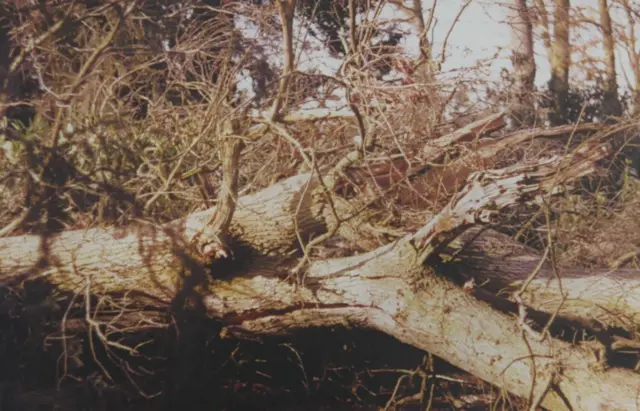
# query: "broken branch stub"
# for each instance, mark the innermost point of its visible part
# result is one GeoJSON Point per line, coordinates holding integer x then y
{"type": "Point", "coordinates": [488, 192]}
{"type": "Point", "coordinates": [212, 243]}
{"type": "Point", "coordinates": [477, 129]}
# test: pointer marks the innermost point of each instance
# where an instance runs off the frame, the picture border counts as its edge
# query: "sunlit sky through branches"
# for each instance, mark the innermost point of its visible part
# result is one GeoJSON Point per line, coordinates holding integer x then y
{"type": "Point", "coordinates": [479, 38]}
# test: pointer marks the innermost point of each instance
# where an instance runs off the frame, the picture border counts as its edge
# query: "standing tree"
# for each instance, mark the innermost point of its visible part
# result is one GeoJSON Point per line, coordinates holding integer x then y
{"type": "Point", "coordinates": [628, 36]}
{"type": "Point", "coordinates": [560, 63]}
{"type": "Point", "coordinates": [559, 54]}
{"type": "Point", "coordinates": [524, 66]}
{"type": "Point", "coordinates": [611, 103]}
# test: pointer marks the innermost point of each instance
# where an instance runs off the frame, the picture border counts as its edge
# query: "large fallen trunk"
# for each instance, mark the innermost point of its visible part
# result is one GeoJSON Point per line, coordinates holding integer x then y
{"type": "Point", "coordinates": [608, 296]}
{"type": "Point", "coordinates": [386, 290]}
{"type": "Point", "coordinates": [389, 289]}
{"type": "Point", "coordinates": [151, 258]}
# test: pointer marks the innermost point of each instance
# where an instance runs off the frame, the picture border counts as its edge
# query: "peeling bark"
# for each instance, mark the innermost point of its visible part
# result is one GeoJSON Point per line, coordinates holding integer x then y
{"type": "Point", "coordinates": [391, 290]}
{"type": "Point", "coordinates": [386, 291]}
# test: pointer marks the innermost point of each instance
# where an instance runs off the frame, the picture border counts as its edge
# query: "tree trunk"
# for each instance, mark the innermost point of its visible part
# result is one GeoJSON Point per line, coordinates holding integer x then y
{"type": "Point", "coordinates": [524, 66]}
{"type": "Point", "coordinates": [607, 296]}
{"type": "Point", "coordinates": [387, 291]}
{"type": "Point", "coordinates": [389, 288]}
{"type": "Point", "coordinates": [634, 61]}
{"type": "Point", "coordinates": [543, 15]}
{"type": "Point", "coordinates": [560, 62]}
{"type": "Point", "coordinates": [151, 258]}
{"type": "Point", "coordinates": [611, 102]}
{"type": "Point", "coordinates": [632, 52]}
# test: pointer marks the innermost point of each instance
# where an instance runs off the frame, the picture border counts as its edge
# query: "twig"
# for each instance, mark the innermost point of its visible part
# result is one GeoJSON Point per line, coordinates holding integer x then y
{"type": "Point", "coordinates": [446, 38]}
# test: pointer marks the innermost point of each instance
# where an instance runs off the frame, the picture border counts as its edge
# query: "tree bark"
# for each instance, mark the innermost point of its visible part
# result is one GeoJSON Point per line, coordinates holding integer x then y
{"type": "Point", "coordinates": [560, 62]}
{"type": "Point", "coordinates": [524, 67]}
{"type": "Point", "coordinates": [610, 297]}
{"type": "Point", "coordinates": [632, 52]}
{"type": "Point", "coordinates": [612, 106]}
{"type": "Point", "coordinates": [633, 55]}
{"type": "Point", "coordinates": [543, 15]}
{"type": "Point", "coordinates": [151, 259]}
{"type": "Point", "coordinates": [386, 291]}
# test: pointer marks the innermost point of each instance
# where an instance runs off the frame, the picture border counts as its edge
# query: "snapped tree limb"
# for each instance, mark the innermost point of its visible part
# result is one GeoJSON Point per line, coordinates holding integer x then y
{"type": "Point", "coordinates": [211, 243]}
{"type": "Point", "coordinates": [389, 288]}
{"type": "Point", "coordinates": [608, 296]}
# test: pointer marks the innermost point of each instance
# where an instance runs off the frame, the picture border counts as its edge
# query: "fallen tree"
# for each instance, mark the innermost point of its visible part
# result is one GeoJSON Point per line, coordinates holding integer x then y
{"type": "Point", "coordinates": [605, 297]}
{"type": "Point", "coordinates": [265, 290]}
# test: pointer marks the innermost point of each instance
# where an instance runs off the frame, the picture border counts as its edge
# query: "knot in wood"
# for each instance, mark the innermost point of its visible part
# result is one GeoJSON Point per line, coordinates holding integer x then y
{"type": "Point", "coordinates": [210, 247]}
{"type": "Point", "coordinates": [486, 216]}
